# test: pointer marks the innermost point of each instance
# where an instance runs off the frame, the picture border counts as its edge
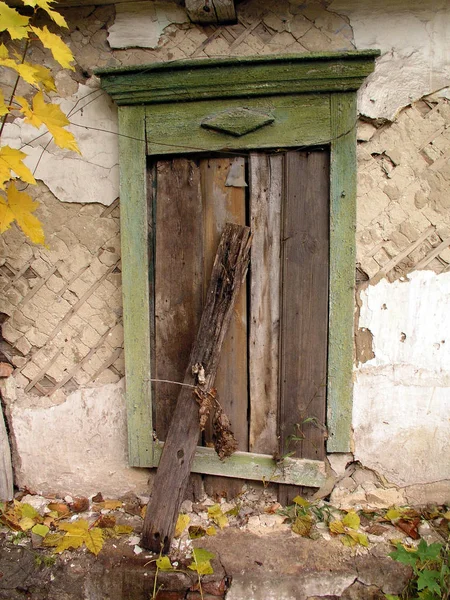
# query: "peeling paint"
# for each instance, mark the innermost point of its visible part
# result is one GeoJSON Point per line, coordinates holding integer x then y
{"type": "Point", "coordinates": [413, 38]}
{"type": "Point", "coordinates": [91, 177]}
{"type": "Point", "coordinates": [401, 396]}
{"type": "Point", "coordinates": [141, 24]}
{"type": "Point", "coordinates": [363, 344]}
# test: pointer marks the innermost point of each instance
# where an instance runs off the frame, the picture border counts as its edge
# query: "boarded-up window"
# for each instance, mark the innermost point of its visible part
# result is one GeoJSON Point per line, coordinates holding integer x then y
{"type": "Point", "coordinates": [272, 375]}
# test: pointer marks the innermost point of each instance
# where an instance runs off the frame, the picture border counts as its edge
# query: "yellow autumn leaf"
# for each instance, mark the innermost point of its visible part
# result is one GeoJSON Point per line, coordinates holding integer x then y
{"type": "Point", "coordinates": [79, 533]}
{"type": "Point", "coordinates": [61, 52]}
{"type": "Point", "coordinates": [3, 108]}
{"type": "Point", "coordinates": [182, 522]}
{"type": "Point", "coordinates": [11, 160]}
{"type": "Point", "coordinates": [163, 563]}
{"type": "Point", "coordinates": [122, 530]}
{"type": "Point", "coordinates": [211, 530]}
{"type": "Point", "coordinates": [336, 527]}
{"type": "Point", "coordinates": [45, 5]}
{"type": "Point", "coordinates": [55, 120]}
{"type": "Point", "coordinates": [215, 513]}
{"type": "Point", "coordinates": [13, 22]}
{"type": "Point", "coordinates": [3, 51]}
{"type": "Point", "coordinates": [351, 520]}
{"type": "Point", "coordinates": [44, 78]}
{"type": "Point", "coordinates": [109, 504]}
{"type": "Point", "coordinates": [26, 523]}
{"type": "Point", "coordinates": [19, 208]}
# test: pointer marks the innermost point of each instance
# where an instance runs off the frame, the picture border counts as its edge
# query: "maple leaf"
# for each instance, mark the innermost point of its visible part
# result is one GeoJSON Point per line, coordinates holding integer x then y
{"type": "Point", "coordinates": [163, 563]}
{"type": "Point", "coordinates": [61, 52]}
{"type": "Point", "coordinates": [45, 5]}
{"type": "Point", "coordinates": [351, 520]}
{"type": "Point", "coordinates": [13, 22]}
{"type": "Point", "coordinates": [11, 160]}
{"type": "Point", "coordinates": [52, 117]}
{"type": "Point", "coordinates": [19, 208]}
{"type": "Point", "coordinates": [3, 108]}
{"type": "Point", "coordinates": [302, 526]}
{"type": "Point", "coordinates": [201, 562]}
{"type": "Point", "coordinates": [215, 513]}
{"type": "Point", "coordinates": [182, 522]}
{"type": "Point", "coordinates": [79, 533]}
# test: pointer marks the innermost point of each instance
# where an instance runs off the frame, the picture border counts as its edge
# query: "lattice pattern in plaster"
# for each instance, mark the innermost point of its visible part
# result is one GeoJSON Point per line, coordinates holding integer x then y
{"type": "Point", "coordinates": [62, 306]}
{"type": "Point", "coordinates": [404, 192]}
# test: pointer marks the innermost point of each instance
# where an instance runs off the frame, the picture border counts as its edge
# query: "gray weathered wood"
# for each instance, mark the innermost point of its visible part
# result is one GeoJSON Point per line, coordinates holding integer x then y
{"type": "Point", "coordinates": [304, 314]}
{"type": "Point", "coordinates": [266, 182]}
{"type": "Point", "coordinates": [178, 279]}
{"type": "Point", "coordinates": [342, 271]}
{"type": "Point", "coordinates": [211, 11]}
{"type": "Point", "coordinates": [6, 472]}
{"type": "Point", "coordinates": [223, 204]}
{"type": "Point", "coordinates": [135, 284]}
{"type": "Point", "coordinates": [173, 471]}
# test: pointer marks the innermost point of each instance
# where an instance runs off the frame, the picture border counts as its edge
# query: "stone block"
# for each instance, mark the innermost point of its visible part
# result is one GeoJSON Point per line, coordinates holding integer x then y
{"type": "Point", "coordinates": [31, 370]}
{"type": "Point", "coordinates": [55, 283]}
{"type": "Point", "coordinates": [107, 376]}
{"type": "Point", "coordinates": [115, 337]}
{"type": "Point", "coordinates": [23, 345]}
{"type": "Point", "coordinates": [13, 296]}
{"type": "Point", "coordinates": [89, 336]}
{"type": "Point", "coordinates": [35, 337]}
{"type": "Point", "coordinates": [20, 321]}
{"type": "Point", "coordinates": [40, 266]}
{"type": "Point", "coordinates": [10, 334]}
{"type": "Point", "coordinates": [79, 287]}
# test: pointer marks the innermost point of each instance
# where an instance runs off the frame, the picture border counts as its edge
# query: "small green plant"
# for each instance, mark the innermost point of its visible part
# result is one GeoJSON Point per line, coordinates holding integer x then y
{"type": "Point", "coordinates": [431, 571]}
{"type": "Point", "coordinates": [43, 559]}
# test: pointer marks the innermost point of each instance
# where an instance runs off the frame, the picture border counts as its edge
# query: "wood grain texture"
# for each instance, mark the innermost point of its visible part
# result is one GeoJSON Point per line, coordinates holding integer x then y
{"type": "Point", "coordinates": [223, 205]}
{"type": "Point", "coordinates": [297, 121]}
{"type": "Point", "coordinates": [178, 277]}
{"type": "Point", "coordinates": [211, 11]}
{"type": "Point", "coordinates": [258, 467]}
{"type": "Point", "coordinates": [6, 472]}
{"type": "Point", "coordinates": [304, 299]}
{"type": "Point", "coordinates": [240, 77]}
{"type": "Point", "coordinates": [170, 482]}
{"type": "Point", "coordinates": [135, 283]}
{"type": "Point", "coordinates": [304, 334]}
{"type": "Point", "coordinates": [342, 271]}
{"type": "Point", "coordinates": [266, 182]}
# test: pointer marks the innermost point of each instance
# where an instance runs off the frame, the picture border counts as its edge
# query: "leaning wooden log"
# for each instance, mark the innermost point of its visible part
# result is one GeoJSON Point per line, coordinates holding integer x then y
{"type": "Point", "coordinates": [169, 484]}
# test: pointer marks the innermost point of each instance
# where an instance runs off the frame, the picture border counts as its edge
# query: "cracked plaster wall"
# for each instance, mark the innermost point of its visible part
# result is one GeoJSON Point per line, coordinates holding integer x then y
{"type": "Point", "coordinates": [62, 306]}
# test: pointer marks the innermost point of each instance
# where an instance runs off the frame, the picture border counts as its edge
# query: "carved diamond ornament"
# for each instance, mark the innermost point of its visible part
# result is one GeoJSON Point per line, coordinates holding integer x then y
{"type": "Point", "coordinates": [237, 121]}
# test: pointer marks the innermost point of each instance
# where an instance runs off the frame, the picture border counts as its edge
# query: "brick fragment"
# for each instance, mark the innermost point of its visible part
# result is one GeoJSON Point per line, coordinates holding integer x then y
{"type": "Point", "coordinates": [5, 369]}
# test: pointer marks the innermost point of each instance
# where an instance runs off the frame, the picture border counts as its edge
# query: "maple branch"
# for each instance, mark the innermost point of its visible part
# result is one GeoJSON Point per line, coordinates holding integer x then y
{"type": "Point", "coordinates": [13, 93]}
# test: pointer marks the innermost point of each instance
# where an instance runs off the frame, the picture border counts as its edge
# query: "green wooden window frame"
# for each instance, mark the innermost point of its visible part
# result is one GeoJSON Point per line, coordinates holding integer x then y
{"type": "Point", "coordinates": [163, 109]}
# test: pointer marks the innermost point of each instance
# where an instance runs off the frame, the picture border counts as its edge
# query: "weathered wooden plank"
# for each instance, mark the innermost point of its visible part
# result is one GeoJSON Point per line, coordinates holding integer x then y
{"type": "Point", "coordinates": [298, 121]}
{"type": "Point", "coordinates": [6, 472]}
{"type": "Point", "coordinates": [242, 77]}
{"type": "Point", "coordinates": [211, 11]}
{"type": "Point", "coordinates": [135, 285]}
{"type": "Point", "coordinates": [226, 204]}
{"type": "Point", "coordinates": [173, 471]}
{"type": "Point", "coordinates": [304, 298]}
{"type": "Point", "coordinates": [257, 467]}
{"type": "Point", "coordinates": [266, 181]}
{"type": "Point", "coordinates": [342, 271]}
{"type": "Point", "coordinates": [178, 277]}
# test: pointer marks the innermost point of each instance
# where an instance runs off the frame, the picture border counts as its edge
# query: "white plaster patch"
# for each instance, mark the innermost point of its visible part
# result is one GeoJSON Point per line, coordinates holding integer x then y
{"type": "Point", "coordinates": [76, 447]}
{"type": "Point", "coordinates": [141, 24]}
{"type": "Point", "coordinates": [401, 415]}
{"type": "Point", "coordinates": [91, 177]}
{"type": "Point", "coordinates": [413, 38]}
